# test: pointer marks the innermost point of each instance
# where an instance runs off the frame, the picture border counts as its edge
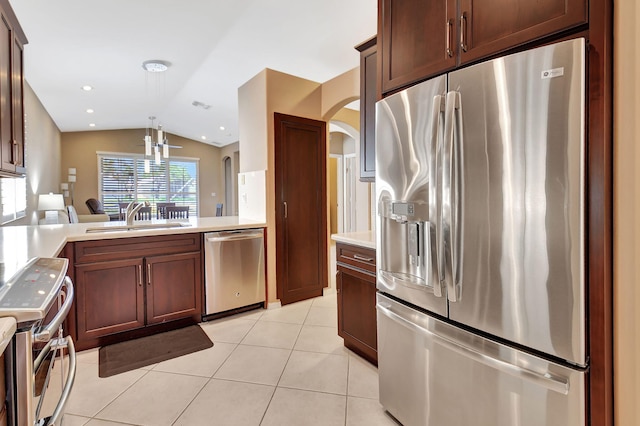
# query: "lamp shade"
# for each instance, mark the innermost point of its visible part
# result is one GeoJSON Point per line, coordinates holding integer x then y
{"type": "Point", "coordinates": [50, 201]}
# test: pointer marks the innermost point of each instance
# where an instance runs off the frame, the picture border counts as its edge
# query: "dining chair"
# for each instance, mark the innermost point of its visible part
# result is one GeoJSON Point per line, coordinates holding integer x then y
{"type": "Point", "coordinates": [177, 212]}
{"type": "Point", "coordinates": [160, 212]}
{"type": "Point", "coordinates": [122, 211]}
{"type": "Point", "coordinates": [219, 209]}
{"type": "Point", "coordinates": [144, 213]}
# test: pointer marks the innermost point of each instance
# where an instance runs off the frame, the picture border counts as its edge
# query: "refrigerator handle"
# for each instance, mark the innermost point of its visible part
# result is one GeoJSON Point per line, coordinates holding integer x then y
{"type": "Point", "coordinates": [449, 237]}
{"type": "Point", "coordinates": [456, 196]}
{"type": "Point", "coordinates": [432, 231]}
{"type": "Point", "coordinates": [444, 220]}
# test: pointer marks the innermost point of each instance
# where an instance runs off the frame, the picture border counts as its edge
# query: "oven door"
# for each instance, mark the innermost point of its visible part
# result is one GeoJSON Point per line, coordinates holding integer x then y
{"type": "Point", "coordinates": [36, 349]}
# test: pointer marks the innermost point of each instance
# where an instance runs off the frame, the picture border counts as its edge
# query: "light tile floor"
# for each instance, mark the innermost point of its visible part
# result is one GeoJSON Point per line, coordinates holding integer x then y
{"type": "Point", "coordinates": [284, 366]}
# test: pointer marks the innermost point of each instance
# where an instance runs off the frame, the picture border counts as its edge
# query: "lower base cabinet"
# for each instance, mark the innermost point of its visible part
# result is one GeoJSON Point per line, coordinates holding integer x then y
{"type": "Point", "coordinates": [356, 287]}
{"type": "Point", "coordinates": [131, 288]}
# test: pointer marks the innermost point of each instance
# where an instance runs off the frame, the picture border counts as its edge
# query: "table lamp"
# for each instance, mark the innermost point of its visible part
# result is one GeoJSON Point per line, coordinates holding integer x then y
{"type": "Point", "coordinates": [51, 203]}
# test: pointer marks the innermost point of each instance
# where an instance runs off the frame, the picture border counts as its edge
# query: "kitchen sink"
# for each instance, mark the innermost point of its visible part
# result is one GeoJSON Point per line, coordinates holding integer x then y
{"type": "Point", "coordinates": [137, 227]}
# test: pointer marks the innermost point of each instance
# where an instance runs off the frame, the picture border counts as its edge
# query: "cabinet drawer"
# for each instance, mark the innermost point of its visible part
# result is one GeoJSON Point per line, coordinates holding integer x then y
{"type": "Point", "coordinates": [127, 248]}
{"type": "Point", "coordinates": [359, 257]}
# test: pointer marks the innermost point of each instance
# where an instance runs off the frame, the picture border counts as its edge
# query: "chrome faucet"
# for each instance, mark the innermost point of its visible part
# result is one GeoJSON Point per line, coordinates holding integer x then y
{"type": "Point", "coordinates": [131, 210]}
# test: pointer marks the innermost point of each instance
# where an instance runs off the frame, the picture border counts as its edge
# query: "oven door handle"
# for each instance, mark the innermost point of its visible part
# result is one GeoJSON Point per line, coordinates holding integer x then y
{"type": "Point", "coordinates": [44, 334]}
{"type": "Point", "coordinates": [54, 419]}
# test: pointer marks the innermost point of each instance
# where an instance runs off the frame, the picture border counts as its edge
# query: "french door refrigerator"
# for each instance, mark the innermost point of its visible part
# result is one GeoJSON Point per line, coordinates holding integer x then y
{"type": "Point", "coordinates": [480, 244]}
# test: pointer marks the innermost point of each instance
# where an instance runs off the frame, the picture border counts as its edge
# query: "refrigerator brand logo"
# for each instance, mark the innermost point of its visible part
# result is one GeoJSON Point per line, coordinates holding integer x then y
{"type": "Point", "coordinates": [556, 72]}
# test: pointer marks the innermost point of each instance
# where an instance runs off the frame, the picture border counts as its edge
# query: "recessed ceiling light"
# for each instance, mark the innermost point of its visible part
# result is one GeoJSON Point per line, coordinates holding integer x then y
{"type": "Point", "coordinates": [87, 88]}
{"type": "Point", "coordinates": [221, 127]}
{"type": "Point", "coordinates": [92, 124]}
{"type": "Point", "coordinates": [155, 65]}
{"type": "Point", "coordinates": [204, 138]}
{"type": "Point", "coordinates": [90, 111]}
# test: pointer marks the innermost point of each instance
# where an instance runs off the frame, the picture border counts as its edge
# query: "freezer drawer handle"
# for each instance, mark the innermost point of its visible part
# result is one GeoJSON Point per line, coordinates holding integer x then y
{"type": "Point", "coordinates": [237, 237]}
{"type": "Point", "coordinates": [44, 334]}
{"type": "Point", "coordinates": [547, 380]}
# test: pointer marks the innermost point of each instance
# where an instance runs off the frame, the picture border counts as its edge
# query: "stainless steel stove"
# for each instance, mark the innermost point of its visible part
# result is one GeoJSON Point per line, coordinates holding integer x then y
{"type": "Point", "coordinates": [29, 295]}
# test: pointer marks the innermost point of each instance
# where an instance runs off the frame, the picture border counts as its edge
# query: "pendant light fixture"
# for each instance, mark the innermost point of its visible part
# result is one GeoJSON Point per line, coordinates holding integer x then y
{"type": "Point", "coordinates": [155, 142]}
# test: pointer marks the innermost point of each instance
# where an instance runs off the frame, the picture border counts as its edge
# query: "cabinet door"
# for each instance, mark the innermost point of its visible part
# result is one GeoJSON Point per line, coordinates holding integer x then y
{"type": "Point", "coordinates": [174, 287]}
{"type": "Point", "coordinates": [491, 26]}
{"type": "Point", "coordinates": [368, 97]}
{"type": "Point", "coordinates": [357, 312]}
{"type": "Point", "coordinates": [110, 297]}
{"type": "Point", "coordinates": [6, 118]}
{"type": "Point", "coordinates": [415, 40]}
{"type": "Point", "coordinates": [17, 106]}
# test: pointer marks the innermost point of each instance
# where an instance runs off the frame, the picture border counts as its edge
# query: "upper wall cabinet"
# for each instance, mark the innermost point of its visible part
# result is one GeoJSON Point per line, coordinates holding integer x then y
{"type": "Point", "coordinates": [421, 38]}
{"type": "Point", "coordinates": [368, 98]}
{"type": "Point", "coordinates": [12, 41]}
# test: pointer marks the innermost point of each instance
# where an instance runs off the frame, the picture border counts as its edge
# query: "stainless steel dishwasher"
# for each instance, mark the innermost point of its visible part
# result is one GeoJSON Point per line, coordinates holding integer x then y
{"type": "Point", "coordinates": [234, 271]}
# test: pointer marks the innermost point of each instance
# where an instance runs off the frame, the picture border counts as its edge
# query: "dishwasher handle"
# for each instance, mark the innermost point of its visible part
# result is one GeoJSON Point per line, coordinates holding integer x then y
{"type": "Point", "coordinates": [234, 237]}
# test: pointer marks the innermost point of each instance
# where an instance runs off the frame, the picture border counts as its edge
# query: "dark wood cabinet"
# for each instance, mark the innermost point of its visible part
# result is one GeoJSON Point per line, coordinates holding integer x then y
{"type": "Point", "coordinates": [418, 39]}
{"type": "Point", "coordinates": [412, 40]}
{"type": "Point", "coordinates": [491, 26]}
{"type": "Point", "coordinates": [110, 298]}
{"type": "Point", "coordinates": [12, 41]}
{"type": "Point", "coordinates": [129, 287]}
{"type": "Point", "coordinates": [173, 287]}
{"type": "Point", "coordinates": [368, 98]}
{"type": "Point", "coordinates": [356, 287]}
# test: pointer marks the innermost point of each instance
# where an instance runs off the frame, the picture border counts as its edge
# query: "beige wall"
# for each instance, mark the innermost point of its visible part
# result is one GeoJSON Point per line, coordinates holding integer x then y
{"type": "Point", "coordinates": [626, 238]}
{"type": "Point", "coordinates": [252, 131]}
{"type": "Point", "coordinates": [42, 155]}
{"type": "Point", "coordinates": [339, 91]}
{"type": "Point", "coordinates": [79, 150]}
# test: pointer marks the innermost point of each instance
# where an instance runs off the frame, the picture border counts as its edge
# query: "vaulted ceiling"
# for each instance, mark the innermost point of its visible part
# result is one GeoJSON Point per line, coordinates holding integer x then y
{"type": "Point", "coordinates": [213, 47]}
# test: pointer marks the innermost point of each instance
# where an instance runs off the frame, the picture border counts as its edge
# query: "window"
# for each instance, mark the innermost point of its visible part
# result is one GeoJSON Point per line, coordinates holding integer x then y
{"type": "Point", "coordinates": [14, 198]}
{"type": "Point", "coordinates": [122, 179]}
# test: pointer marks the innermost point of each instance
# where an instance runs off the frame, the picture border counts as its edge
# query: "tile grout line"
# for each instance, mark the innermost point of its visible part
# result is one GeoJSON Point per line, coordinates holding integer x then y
{"type": "Point", "coordinates": [275, 389]}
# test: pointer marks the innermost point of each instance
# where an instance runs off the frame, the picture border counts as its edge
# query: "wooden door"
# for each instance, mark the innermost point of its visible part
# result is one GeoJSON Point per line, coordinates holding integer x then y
{"type": "Point", "coordinates": [110, 298]}
{"type": "Point", "coordinates": [488, 27]}
{"type": "Point", "coordinates": [301, 207]}
{"type": "Point", "coordinates": [416, 39]}
{"type": "Point", "coordinates": [174, 287]}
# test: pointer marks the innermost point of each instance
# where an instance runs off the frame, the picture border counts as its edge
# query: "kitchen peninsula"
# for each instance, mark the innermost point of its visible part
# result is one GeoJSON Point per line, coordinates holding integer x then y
{"type": "Point", "coordinates": [129, 283]}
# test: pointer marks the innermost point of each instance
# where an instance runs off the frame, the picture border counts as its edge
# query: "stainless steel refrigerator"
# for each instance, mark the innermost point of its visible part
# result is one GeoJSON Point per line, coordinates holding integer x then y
{"type": "Point", "coordinates": [480, 178]}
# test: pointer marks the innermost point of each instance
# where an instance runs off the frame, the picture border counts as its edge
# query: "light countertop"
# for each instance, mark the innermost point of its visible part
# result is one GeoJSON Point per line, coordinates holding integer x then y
{"type": "Point", "coordinates": [21, 243]}
{"type": "Point", "coordinates": [363, 239]}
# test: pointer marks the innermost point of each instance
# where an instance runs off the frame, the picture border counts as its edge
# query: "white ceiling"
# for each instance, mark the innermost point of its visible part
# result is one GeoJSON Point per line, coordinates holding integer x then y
{"type": "Point", "coordinates": [214, 46]}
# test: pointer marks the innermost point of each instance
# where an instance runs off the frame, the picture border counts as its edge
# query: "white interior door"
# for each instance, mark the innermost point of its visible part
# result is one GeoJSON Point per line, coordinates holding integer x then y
{"type": "Point", "coordinates": [350, 179]}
